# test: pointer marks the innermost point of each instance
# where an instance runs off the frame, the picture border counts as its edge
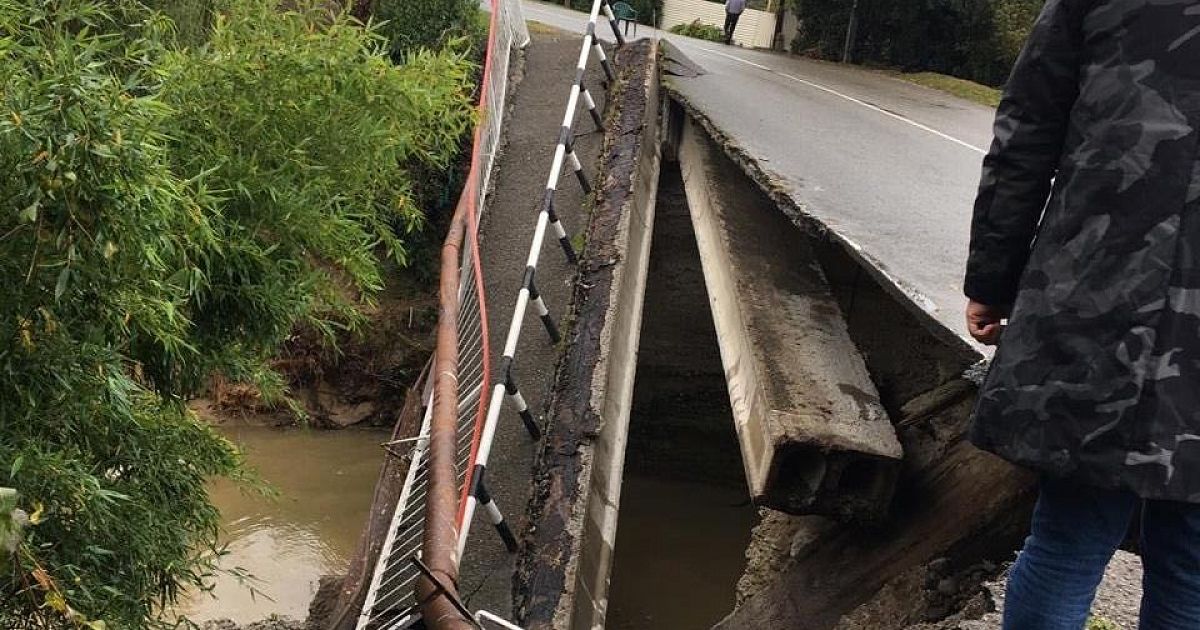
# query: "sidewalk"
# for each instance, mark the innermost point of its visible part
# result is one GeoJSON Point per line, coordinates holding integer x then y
{"type": "Point", "coordinates": [534, 118]}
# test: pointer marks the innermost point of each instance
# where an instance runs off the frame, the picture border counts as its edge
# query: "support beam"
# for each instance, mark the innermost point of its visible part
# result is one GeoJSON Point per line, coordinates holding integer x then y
{"type": "Point", "coordinates": [815, 438]}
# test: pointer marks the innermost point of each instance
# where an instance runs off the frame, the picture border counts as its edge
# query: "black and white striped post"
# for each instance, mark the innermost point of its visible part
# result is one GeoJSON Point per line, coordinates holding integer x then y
{"type": "Point", "coordinates": [543, 312]}
{"type": "Point", "coordinates": [506, 386]}
{"type": "Point", "coordinates": [609, 75]}
{"type": "Point", "coordinates": [612, 22]}
{"type": "Point", "coordinates": [493, 511]}
{"type": "Point", "coordinates": [518, 402]}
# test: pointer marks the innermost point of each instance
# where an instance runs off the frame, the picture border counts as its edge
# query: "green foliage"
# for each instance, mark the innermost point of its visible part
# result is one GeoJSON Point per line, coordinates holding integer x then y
{"type": "Point", "coordinates": [96, 248]}
{"type": "Point", "coordinates": [972, 39]}
{"type": "Point", "coordinates": [170, 214]}
{"type": "Point", "coordinates": [961, 88]}
{"type": "Point", "coordinates": [192, 18]}
{"type": "Point", "coordinates": [1012, 20]}
{"type": "Point", "coordinates": [306, 132]}
{"type": "Point", "coordinates": [429, 24]}
{"type": "Point", "coordinates": [699, 30]}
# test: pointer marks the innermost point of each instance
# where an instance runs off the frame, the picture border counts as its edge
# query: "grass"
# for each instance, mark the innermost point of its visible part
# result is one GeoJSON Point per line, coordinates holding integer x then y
{"type": "Point", "coordinates": [961, 88]}
{"type": "Point", "coordinates": [544, 29]}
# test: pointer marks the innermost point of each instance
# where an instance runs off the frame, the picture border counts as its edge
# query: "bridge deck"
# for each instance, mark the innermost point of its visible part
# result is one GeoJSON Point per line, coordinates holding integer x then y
{"type": "Point", "coordinates": [814, 436]}
{"type": "Point", "coordinates": [888, 167]}
{"type": "Point", "coordinates": [897, 192]}
{"type": "Point", "coordinates": [531, 130]}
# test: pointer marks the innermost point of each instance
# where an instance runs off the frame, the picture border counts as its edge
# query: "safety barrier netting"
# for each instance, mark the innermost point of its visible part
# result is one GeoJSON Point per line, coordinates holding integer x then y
{"type": "Point", "coordinates": [390, 602]}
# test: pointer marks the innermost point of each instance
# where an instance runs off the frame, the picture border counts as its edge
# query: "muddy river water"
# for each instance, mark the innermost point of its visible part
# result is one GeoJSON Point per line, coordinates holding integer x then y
{"type": "Point", "coordinates": [324, 481]}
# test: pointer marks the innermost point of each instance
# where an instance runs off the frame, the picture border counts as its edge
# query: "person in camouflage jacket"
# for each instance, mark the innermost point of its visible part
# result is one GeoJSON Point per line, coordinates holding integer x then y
{"type": "Point", "coordinates": [1086, 238]}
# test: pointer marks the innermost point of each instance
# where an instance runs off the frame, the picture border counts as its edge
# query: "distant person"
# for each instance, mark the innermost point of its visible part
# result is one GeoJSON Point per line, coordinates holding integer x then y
{"type": "Point", "coordinates": [733, 11]}
{"type": "Point", "coordinates": [1086, 238]}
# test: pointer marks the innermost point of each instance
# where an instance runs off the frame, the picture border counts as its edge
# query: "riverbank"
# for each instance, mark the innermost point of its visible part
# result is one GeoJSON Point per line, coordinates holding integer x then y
{"type": "Point", "coordinates": [360, 381]}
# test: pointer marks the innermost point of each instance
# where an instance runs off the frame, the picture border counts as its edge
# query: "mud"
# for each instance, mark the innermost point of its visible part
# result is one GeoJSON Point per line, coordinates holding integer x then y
{"type": "Point", "coordinates": [281, 623]}
{"type": "Point", "coordinates": [359, 380]}
{"type": "Point", "coordinates": [776, 543]}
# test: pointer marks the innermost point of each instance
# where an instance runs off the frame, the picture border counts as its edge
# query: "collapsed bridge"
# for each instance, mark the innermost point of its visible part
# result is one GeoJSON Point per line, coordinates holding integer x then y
{"type": "Point", "coordinates": [842, 375]}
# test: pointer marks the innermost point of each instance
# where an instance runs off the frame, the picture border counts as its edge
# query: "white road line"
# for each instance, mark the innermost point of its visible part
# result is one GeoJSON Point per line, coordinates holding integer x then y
{"type": "Point", "coordinates": [684, 42]}
{"type": "Point", "coordinates": [856, 101]}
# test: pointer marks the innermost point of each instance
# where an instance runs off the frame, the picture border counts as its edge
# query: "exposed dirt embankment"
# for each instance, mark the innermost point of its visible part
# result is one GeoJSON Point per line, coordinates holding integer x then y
{"type": "Point", "coordinates": [360, 381]}
{"type": "Point", "coordinates": [266, 624]}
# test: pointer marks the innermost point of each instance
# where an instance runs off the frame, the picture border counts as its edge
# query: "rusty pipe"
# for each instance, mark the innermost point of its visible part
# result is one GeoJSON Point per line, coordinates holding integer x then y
{"type": "Point", "coordinates": [440, 542]}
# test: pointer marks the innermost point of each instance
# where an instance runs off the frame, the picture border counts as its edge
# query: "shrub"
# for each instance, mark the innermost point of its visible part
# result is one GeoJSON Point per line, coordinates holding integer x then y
{"type": "Point", "coordinates": [699, 30]}
{"type": "Point", "coordinates": [169, 215]}
{"type": "Point", "coordinates": [413, 24]}
{"type": "Point", "coordinates": [98, 240]}
{"type": "Point", "coordinates": [305, 130]}
{"type": "Point", "coordinates": [971, 39]}
{"type": "Point", "coordinates": [192, 18]}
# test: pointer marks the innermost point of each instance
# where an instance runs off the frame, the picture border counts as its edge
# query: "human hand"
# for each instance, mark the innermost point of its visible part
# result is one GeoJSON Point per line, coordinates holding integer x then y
{"type": "Point", "coordinates": [983, 322]}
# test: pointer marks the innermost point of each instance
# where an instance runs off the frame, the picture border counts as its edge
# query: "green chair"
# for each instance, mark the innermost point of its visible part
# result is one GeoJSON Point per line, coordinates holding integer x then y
{"type": "Point", "coordinates": [623, 12]}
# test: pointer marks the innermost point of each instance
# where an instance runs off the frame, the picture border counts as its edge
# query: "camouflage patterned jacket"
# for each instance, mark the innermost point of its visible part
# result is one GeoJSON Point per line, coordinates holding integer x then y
{"type": "Point", "coordinates": [1097, 376]}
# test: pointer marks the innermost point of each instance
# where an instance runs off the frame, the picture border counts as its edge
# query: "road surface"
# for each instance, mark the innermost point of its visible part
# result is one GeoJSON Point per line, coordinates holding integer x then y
{"type": "Point", "coordinates": [888, 166]}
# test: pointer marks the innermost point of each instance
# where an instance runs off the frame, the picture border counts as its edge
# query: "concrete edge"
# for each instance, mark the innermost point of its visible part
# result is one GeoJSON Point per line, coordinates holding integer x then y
{"type": "Point", "coordinates": [819, 449]}
{"type": "Point", "coordinates": [771, 184]}
{"type": "Point", "coordinates": [562, 577]}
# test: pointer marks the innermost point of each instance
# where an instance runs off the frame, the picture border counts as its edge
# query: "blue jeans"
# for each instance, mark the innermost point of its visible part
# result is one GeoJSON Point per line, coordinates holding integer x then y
{"type": "Point", "coordinates": [1075, 531]}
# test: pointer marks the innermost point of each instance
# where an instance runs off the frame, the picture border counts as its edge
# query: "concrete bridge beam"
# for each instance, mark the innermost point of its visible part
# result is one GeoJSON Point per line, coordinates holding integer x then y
{"type": "Point", "coordinates": [814, 437]}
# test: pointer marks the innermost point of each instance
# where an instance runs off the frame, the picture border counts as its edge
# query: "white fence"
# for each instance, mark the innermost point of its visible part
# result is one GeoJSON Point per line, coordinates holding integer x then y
{"type": "Point", "coordinates": [755, 29]}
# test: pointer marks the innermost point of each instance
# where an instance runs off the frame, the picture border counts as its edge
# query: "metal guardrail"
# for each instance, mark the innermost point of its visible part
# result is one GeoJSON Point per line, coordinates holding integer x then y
{"type": "Point", "coordinates": [505, 386]}
{"type": "Point", "coordinates": [416, 573]}
{"type": "Point", "coordinates": [391, 600]}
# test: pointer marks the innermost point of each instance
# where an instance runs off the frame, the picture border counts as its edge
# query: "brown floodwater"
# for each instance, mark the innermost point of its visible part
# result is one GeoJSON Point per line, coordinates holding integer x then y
{"type": "Point", "coordinates": [324, 480]}
{"type": "Point", "coordinates": [685, 518]}
{"type": "Point", "coordinates": [681, 547]}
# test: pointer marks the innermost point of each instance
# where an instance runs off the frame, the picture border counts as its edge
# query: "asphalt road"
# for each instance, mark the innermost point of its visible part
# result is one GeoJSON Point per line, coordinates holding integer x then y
{"type": "Point", "coordinates": [888, 166]}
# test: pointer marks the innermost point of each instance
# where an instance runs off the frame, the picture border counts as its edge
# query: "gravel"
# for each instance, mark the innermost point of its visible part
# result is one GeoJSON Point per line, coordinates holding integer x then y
{"type": "Point", "coordinates": [274, 623]}
{"type": "Point", "coordinates": [1117, 599]}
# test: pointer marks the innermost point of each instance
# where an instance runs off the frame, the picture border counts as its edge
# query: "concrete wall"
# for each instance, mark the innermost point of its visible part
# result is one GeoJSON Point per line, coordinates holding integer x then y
{"type": "Point", "coordinates": [755, 29]}
{"type": "Point", "coordinates": [614, 378]}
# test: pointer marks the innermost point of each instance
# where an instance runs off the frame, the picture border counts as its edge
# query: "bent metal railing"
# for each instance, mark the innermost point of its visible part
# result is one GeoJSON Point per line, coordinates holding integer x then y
{"type": "Point", "coordinates": [452, 405]}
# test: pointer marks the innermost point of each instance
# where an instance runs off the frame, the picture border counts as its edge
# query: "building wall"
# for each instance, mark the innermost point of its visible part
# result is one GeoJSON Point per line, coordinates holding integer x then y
{"type": "Point", "coordinates": [755, 29]}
